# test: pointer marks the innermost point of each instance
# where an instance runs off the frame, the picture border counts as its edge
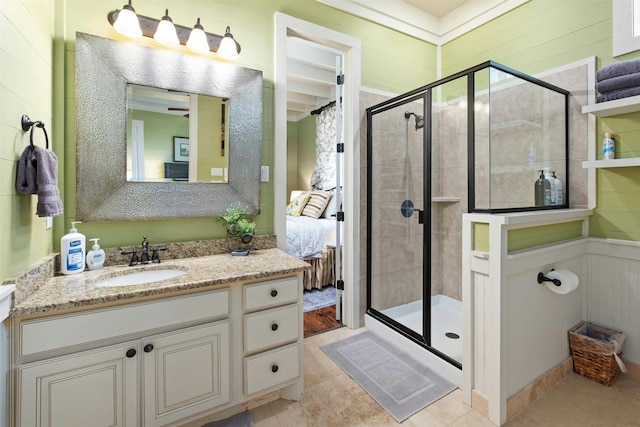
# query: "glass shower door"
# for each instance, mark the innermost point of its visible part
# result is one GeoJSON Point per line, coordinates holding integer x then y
{"type": "Point", "coordinates": [396, 210]}
{"type": "Point", "coordinates": [417, 162]}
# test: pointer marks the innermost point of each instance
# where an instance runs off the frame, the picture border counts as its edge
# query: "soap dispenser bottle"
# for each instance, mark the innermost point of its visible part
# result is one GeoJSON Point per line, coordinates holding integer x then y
{"type": "Point", "coordinates": [559, 192]}
{"type": "Point", "coordinates": [72, 250]}
{"type": "Point", "coordinates": [552, 188]}
{"type": "Point", "coordinates": [542, 190]}
{"type": "Point", "coordinates": [96, 256]}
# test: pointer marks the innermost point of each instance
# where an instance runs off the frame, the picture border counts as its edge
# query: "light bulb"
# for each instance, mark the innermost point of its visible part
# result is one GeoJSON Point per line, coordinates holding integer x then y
{"type": "Point", "coordinates": [198, 39]}
{"type": "Point", "coordinates": [166, 32]}
{"type": "Point", "coordinates": [127, 23]}
{"type": "Point", "coordinates": [228, 49]}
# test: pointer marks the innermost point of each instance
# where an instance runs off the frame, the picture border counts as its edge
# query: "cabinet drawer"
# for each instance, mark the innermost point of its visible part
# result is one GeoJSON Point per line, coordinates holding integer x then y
{"type": "Point", "coordinates": [270, 293]}
{"type": "Point", "coordinates": [50, 333]}
{"type": "Point", "coordinates": [268, 369]}
{"type": "Point", "coordinates": [270, 328]}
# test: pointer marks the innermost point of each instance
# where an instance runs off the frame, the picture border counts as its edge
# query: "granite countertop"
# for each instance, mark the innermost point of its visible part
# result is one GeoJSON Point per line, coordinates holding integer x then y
{"type": "Point", "coordinates": [208, 272]}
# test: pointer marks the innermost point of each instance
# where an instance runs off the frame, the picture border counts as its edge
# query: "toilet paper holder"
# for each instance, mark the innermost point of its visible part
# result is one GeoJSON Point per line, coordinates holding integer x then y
{"type": "Point", "coordinates": [543, 278]}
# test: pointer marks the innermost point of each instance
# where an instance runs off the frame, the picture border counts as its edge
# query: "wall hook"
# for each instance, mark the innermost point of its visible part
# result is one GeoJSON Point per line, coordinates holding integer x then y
{"type": "Point", "coordinates": [543, 278]}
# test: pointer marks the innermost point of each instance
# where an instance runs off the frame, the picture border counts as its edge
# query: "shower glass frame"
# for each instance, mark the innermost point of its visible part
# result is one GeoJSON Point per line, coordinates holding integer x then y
{"type": "Point", "coordinates": [426, 94]}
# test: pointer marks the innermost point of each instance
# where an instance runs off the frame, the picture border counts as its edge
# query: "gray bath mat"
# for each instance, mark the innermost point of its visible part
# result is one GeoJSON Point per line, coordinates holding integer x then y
{"type": "Point", "coordinates": [242, 419]}
{"type": "Point", "coordinates": [399, 383]}
{"type": "Point", "coordinates": [318, 298]}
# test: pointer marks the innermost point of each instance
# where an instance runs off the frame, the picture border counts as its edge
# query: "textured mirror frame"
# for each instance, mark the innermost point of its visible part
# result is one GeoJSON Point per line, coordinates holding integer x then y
{"type": "Point", "coordinates": [103, 69]}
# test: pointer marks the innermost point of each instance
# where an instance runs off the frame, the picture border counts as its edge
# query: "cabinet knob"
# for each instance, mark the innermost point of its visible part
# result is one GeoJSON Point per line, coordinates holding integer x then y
{"type": "Point", "coordinates": [274, 293]}
{"type": "Point", "coordinates": [274, 326]}
{"type": "Point", "coordinates": [130, 353]}
{"type": "Point", "coordinates": [148, 348]}
{"type": "Point", "coordinates": [274, 368]}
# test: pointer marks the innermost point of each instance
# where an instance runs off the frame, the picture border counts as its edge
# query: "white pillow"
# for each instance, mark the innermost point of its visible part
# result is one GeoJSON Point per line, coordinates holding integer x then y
{"type": "Point", "coordinates": [332, 207]}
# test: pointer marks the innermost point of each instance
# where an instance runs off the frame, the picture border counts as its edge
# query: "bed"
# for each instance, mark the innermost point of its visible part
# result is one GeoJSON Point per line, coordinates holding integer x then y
{"type": "Point", "coordinates": [311, 236]}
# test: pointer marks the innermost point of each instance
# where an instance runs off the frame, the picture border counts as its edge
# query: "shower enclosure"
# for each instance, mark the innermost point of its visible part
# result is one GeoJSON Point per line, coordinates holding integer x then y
{"type": "Point", "coordinates": [472, 142]}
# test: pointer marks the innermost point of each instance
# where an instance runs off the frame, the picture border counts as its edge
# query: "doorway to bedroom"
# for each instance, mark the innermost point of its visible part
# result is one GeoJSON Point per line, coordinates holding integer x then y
{"type": "Point", "coordinates": [314, 184]}
{"type": "Point", "coordinates": [294, 39]}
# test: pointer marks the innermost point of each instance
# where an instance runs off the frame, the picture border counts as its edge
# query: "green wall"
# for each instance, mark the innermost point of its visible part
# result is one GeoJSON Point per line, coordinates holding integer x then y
{"type": "Point", "coordinates": [390, 61]}
{"type": "Point", "coordinates": [28, 81]}
{"type": "Point", "coordinates": [306, 152]}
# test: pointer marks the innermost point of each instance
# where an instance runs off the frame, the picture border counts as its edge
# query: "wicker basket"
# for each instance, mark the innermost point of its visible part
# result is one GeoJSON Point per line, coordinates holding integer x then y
{"type": "Point", "coordinates": [593, 353]}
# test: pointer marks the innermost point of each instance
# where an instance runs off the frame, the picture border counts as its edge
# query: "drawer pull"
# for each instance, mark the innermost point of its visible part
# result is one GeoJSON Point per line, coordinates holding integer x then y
{"type": "Point", "coordinates": [274, 326]}
{"type": "Point", "coordinates": [274, 293]}
{"type": "Point", "coordinates": [130, 353]}
{"type": "Point", "coordinates": [274, 368]}
{"type": "Point", "coordinates": [148, 348]}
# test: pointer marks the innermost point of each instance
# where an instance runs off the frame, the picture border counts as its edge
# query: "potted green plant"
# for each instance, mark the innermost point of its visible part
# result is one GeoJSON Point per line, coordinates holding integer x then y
{"type": "Point", "coordinates": [239, 226]}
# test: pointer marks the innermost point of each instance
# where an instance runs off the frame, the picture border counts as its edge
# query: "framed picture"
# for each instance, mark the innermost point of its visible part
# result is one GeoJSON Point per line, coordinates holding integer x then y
{"type": "Point", "coordinates": [180, 149]}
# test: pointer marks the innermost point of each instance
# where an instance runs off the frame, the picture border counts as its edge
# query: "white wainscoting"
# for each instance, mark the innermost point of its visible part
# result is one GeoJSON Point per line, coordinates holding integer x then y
{"type": "Point", "coordinates": [613, 297]}
{"type": "Point", "coordinates": [536, 319]}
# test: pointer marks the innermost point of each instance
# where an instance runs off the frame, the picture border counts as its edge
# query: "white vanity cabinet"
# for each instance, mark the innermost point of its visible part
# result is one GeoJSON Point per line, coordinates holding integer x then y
{"type": "Point", "coordinates": [92, 388]}
{"type": "Point", "coordinates": [185, 373]}
{"type": "Point", "coordinates": [272, 335]}
{"type": "Point", "coordinates": [160, 362]}
{"type": "Point", "coordinates": [152, 380]}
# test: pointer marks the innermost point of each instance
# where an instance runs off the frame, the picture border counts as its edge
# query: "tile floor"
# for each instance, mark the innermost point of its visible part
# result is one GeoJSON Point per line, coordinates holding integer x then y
{"type": "Point", "coordinates": [332, 399]}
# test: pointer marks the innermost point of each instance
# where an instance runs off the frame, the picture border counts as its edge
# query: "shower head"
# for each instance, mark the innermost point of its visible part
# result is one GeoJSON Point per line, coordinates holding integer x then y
{"type": "Point", "coordinates": [419, 119]}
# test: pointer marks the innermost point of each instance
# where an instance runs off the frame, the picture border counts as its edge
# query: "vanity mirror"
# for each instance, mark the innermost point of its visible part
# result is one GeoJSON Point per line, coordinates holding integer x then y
{"type": "Point", "coordinates": [105, 71]}
{"type": "Point", "coordinates": [175, 136]}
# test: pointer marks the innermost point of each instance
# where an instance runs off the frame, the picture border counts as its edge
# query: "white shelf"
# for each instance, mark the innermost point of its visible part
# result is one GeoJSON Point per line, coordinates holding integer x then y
{"type": "Point", "coordinates": [612, 108]}
{"type": "Point", "coordinates": [615, 163]}
{"type": "Point", "coordinates": [445, 199]}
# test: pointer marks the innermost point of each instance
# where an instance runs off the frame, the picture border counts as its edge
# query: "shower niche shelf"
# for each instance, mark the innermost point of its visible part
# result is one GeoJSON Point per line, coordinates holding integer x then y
{"type": "Point", "coordinates": [445, 199]}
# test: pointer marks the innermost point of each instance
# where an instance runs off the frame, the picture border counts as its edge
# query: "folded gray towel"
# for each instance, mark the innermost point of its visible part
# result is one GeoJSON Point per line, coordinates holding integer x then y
{"type": "Point", "coordinates": [38, 174]}
{"type": "Point", "coordinates": [617, 83]}
{"type": "Point", "coordinates": [49, 203]}
{"type": "Point", "coordinates": [618, 94]}
{"type": "Point", "coordinates": [619, 69]}
{"type": "Point", "coordinates": [27, 175]}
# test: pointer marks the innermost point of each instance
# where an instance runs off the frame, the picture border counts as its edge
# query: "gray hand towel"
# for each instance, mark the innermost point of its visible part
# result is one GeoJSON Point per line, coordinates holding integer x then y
{"type": "Point", "coordinates": [27, 175]}
{"type": "Point", "coordinates": [38, 174]}
{"type": "Point", "coordinates": [49, 203]}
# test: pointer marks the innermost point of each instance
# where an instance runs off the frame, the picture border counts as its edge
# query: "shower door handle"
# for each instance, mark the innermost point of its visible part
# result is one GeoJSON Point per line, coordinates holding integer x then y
{"type": "Point", "coordinates": [408, 209]}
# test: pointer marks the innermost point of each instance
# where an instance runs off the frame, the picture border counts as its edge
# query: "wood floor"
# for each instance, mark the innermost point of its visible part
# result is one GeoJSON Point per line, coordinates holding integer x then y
{"type": "Point", "coordinates": [320, 320]}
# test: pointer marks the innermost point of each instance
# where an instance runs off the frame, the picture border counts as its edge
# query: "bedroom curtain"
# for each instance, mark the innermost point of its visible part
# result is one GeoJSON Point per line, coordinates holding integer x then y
{"type": "Point", "coordinates": [324, 173]}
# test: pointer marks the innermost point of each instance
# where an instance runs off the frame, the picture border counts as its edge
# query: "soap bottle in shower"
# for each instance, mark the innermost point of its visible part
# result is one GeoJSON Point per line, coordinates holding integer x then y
{"type": "Point", "coordinates": [559, 192]}
{"type": "Point", "coordinates": [542, 190]}
{"type": "Point", "coordinates": [552, 188]}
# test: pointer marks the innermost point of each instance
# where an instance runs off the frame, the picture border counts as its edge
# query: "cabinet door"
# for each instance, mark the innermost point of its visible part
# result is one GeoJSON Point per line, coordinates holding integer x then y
{"type": "Point", "coordinates": [185, 372]}
{"type": "Point", "coordinates": [95, 388]}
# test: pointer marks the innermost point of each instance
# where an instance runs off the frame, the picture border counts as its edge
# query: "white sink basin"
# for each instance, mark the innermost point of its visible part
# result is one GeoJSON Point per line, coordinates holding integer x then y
{"type": "Point", "coordinates": [139, 278]}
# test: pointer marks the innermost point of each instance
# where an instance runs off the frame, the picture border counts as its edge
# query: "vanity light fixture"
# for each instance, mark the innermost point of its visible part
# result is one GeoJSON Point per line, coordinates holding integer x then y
{"type": "Point", "coordinates": [127, 22]}
{"type": "Point", "coordinates": [166, 33]}
{"type": "Point", "coordinates": [198, 39]}
{"type": "Point", "coordinates": [225, 46]}
{"type": "Point", "coordinates": [227, 49]}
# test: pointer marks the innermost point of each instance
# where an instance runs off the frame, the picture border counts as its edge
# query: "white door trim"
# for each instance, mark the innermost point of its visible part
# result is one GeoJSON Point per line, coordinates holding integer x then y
{"type": "Point", "coordinates": [350, 46]}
